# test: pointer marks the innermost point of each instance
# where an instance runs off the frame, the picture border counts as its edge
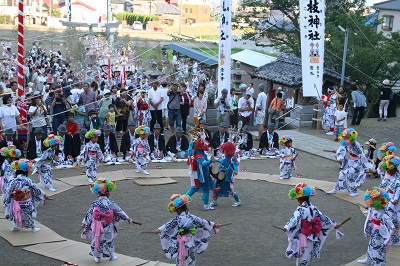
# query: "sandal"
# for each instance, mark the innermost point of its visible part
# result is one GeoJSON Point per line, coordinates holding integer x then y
{"type": "Point", "coordinates": [158, 167]}
{"type": "Point", "coordinates": [299, 175]}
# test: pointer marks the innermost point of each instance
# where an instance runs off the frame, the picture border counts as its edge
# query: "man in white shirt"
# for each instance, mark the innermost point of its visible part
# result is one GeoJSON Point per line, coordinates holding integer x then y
{"type": "Point", "coordinates": [261, 105]}
{"type": "Point", "coordinates": [251, 89]}
{"type": "Point", "coordinates": [245, 105]}
{"type": "Point", "coordinates": [223, 104]}
{"type": "Point", "coordinates": [156, 98]}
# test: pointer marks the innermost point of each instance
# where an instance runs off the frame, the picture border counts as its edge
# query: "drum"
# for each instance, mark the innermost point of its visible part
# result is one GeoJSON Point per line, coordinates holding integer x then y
{"type": "Point", "coordinates": [215, 168]}
{"type": "Point", "coordinates": [221, 176]}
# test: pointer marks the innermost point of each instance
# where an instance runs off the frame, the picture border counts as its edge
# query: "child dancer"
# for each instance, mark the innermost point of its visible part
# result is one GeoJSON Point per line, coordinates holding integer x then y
{"type": "Point", "coordinates": [378, 226]}
{"type": "Point", "coordinates": [101, 220]}
{"type": "Point", "coordinates": [43, 163]}
{"type": "Point", "coordinates": [22, 197]}
{"type": "Point", "coordinates": [10, 153]}
{"type": "Point", "coordinates": [308, 227]}
{"type": "Point", "coordinates": [186, 234]}
{"type": "Point", "coordinates": [386, 149]}
{"type": "Point", "coordinates": [91, 154]}
{"type": "Point", "coordinates": [392, 177]}
{"type": "Point", "coordinates": [354, 163]}
{"type": "Point", "coordinates": [229, 166]}
{"type": "Point", "coordinates": [141, 149]}
{"type": "Point", "coordinates": [201, 181]}
{"type": "Point", "coordinates": [287, 158]}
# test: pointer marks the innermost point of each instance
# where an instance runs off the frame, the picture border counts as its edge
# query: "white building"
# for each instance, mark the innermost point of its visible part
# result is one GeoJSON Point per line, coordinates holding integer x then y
{"type": "Point", "coordinates": [389, 11]}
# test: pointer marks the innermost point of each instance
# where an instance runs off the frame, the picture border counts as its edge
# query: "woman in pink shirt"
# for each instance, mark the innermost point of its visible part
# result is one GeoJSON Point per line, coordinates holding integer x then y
{"type": "Point", "coordinates": [200, 106]}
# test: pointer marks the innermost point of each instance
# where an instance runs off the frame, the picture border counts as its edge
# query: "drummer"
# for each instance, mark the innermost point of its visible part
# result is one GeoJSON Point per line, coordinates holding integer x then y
{"type": "Point", "coordinates": [269, 142]}
{"type": "Point", "coordinates": [219, 138]}
{"type": "Point", "coordinates": [204, 127]}
{"type": "Point", "coordinates": [246, 143]}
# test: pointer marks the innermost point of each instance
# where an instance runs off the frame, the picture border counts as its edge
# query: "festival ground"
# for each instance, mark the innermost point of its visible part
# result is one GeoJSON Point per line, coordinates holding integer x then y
{"type": "Point", "coordinates": [250, 240]}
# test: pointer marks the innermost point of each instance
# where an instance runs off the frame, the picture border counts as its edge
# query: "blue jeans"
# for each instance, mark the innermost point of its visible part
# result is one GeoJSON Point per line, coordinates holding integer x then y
{"type": "Point", "coordinates": [174, 116]}
{"type": "Point", "coordinates": [57, 121]}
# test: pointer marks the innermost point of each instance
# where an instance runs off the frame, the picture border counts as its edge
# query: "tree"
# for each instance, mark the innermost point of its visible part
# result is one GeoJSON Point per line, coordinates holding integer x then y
{"type": "Point", "coordinates": [371, 57]}
{"type": "Point", "coordinates": [55, 12]}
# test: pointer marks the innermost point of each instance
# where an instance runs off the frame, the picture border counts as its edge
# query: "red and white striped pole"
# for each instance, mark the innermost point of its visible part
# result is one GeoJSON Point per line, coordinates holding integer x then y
{"type": "Point", "coordinates": [21, 105]}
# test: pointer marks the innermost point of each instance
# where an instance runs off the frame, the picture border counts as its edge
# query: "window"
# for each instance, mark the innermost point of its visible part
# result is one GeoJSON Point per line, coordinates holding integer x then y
{"type": "Point", "coordinates": [191, 10]}
{"type": "Point", "coordinates": [387, 22]}
{"type": "Point", "coordinates": [186, 10]}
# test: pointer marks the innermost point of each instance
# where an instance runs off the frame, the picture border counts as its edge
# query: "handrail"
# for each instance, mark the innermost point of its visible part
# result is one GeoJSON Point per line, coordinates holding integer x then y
{"type": "Point", "coordinates": [296, 119]}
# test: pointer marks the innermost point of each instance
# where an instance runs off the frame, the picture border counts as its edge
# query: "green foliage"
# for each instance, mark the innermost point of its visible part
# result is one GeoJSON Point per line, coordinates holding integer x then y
{"type": "Point", "coordinates": [8, 19]}
{"type": "Point", "coordinates": [371, 57]}
{"type": "Point", "coordinates": [55, 12]}
{"type": "Point", "coordinates": [131, 17]}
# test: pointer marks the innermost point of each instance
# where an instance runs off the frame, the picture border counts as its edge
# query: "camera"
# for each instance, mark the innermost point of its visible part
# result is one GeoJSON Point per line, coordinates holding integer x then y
{"type": "Point", "coordinates": [222, 101]}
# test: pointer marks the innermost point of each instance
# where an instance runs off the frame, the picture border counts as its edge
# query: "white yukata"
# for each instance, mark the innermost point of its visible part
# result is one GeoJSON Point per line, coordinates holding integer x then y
{"type": "Point", "coordinates": [23, 213]}
{"type": "Point", "coordinates": [108, 154]}
{"type": "Point", "coordinates": [91, 155]}
{"type": "Point", "coordinates": [141, 149]}
{"type": "Point", "coordinates": [101, 224]}
{"type": "Point", "coordinates": [7, 177]}
{"type": "Point", "coordinates": [43, 164]}
{"type": "Point", "coordinates": [156, 149]}
{"type": "Point", "coordinates": [328, 118]}
{"type": "Point", "coordinates": [269, 152]}
{"type": "Point", "coordinates": [189, 230]}
{"type": "Point", "coordinates": [354, 164]}
{"type": "Point", "coordinates": [303, 247]}
{"type": "Point", "coordinates": [286, 162]}
{"type": "Point", "coordinates": [394, 210]}
{"type": "Point", "coordinates": [379, 227]}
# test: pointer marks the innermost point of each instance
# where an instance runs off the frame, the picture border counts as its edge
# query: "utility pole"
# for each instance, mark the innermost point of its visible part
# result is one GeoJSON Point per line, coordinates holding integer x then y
{"type": "Point", "coordinates": [346, 39]}
{"type": "Point", "coordinates": [180, 18]}
{"type": "Point", "coordinates": [150, 7]}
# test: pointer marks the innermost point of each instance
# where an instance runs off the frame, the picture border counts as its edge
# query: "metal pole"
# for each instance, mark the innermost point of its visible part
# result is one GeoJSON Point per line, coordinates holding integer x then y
{"type": "Point", "coordinates": [346, 39]}
{"type": "Point", "coordinates": [69, 10]}
{"type": "Point", "coordinates": [180, 18]}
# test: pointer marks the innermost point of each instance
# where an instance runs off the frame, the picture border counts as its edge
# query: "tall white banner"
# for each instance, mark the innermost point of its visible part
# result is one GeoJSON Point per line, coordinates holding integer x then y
{"type": "Point", "coordinates": [224, 51]}
{"type": "Point", "coordinates": [312, 32]}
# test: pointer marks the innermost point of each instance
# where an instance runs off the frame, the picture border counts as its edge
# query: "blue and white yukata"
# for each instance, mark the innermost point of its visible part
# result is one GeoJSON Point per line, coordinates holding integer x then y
{"type": "Point", "coordinates": [328, 118]}
{"type": "Point", "coordinates": [201, 181]}
{"type": "Point", "coordinates": [379, 227]}
{"type": "Point", "coordinates": [394, 210]}
{"type": "Point", "coordinates": [304, 247]}
{"type": "Point", "coordinates": [7, 177]}
{"type": "Point", "coordinates": [354, 164]}
{"type": "Point", "coordinates": [23, 213]}
{"type": "Point", "coordinates": [43, 164]}
{"type": "Point", "coordinates": [61, 155]}
{"type": "Point", "coordinates": [91, 155]}
{"type": "Point", "coordinates": [141, 149]}
{"type": "Point", "coordinates": [225, 187]}
{"type": "Point", "coordinates": [101, 224]}
{"type": "Point", "coordinates": [186, 229]}
{"type": "Point", "coordinates": [286, 162]}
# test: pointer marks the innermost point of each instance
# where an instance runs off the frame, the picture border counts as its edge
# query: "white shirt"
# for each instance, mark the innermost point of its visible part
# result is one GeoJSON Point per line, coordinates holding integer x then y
{"type": "Point", "coordinates": [38, 119]}
{"type": "Point", "coordinates": [8, 115]}
{"type": "Point", "coordinates": [165, 101]}
{"type": "Point", "coordinates": [261, 102]}
{"type": "Point", "coordinates": [242, 104]}
{"type": "Point", "coordinates": [155, 96]}
{"type": "Point", "coordinates": [251, 90]}
{"type": "Point", "coordinates": [340, 115]}
{"type": "Point", "coordinates": [38, 146]}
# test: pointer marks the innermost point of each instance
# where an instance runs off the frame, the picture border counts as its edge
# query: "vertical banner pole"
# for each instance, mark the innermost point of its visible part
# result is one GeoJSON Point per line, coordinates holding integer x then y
{"type": "Point", "coordinates": [21, 103]}
{"type": "Point", "coordinates": [312, 36]}
{"type": "Point", "coordinates": [224, 50]}
{"type": "Point", "coordinates": [69, 8]}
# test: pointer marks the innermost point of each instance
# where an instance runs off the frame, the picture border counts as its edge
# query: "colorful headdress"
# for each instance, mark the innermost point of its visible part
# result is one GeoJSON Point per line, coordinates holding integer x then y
{"type": "Point", "coordinates": [93, 133]}
{"type": "Point", "coordinates": [376, 198]}
{"type": "Point", "coordinates": [177, 201]}
{"type": "Point", "coordinates": [201, 144]}
{"type": "Point", "coordinates": [284, 139]}
{"type": "Point", "coordinates": [142, 130]}
{"type": "Point", "coordinates": [390, 162]}
{"type": "Point", "coordinates": [386, 149]}
{"type": "Point", "coordinates": [10, 151]}
{"type": "Point", "coordinates": [52, 140]}
{"type": "Point", "coordinates": [23, 165]}
{"type": "Point", "coordinates": [227, 148]}
{"type": "Point", "coordinates": [348, 137]}
{"type": "Point", "coordinates": [102, 186]}
{"type": "Point", "coordinates": [301, 190]}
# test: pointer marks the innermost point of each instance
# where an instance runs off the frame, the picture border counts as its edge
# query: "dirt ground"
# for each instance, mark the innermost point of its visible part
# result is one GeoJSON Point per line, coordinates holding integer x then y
{"type": "Point", "coordinates": [250, 240]}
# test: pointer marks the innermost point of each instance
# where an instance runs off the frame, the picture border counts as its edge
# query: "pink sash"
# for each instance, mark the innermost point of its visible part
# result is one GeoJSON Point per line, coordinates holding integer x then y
{"type": "Point", "coordinates": [182, 239]}
{"type": "Point", "coordinates": [17, 212]}
{"type": "Point", "coordinates": [100, 218]}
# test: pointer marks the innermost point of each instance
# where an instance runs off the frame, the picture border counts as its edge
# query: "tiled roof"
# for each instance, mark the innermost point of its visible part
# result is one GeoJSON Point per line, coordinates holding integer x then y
{"type": "Point", "coordinates": [388, 5]}
{"type": "Point", "coordinates": [286, 70]}
{"type": "Point", "coordinates": [165, 8]}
